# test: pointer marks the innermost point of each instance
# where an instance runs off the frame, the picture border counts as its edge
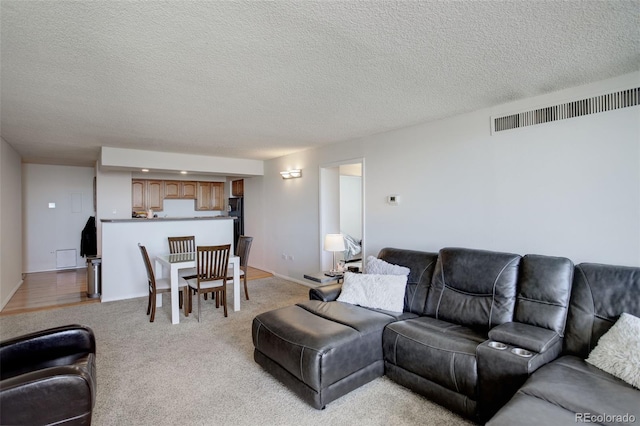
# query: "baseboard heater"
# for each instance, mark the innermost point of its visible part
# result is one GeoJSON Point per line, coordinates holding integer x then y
{"type": "Point", "coordinates": [66, 258]}
{"type": "Point", "coordinates": [593, 105]}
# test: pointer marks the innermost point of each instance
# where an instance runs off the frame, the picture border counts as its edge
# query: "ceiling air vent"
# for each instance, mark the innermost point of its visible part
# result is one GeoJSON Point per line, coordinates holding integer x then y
{"type": "Point", "coordinates": [594, 105]}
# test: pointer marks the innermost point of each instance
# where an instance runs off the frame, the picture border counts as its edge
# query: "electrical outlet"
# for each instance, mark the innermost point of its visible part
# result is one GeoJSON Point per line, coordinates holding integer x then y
{"type": "Point", "coordinates": [290, 257]}
{"type": "Point", "coordinates": [393, 199]}
{"type": "Point", "coordinates": [284, 256]}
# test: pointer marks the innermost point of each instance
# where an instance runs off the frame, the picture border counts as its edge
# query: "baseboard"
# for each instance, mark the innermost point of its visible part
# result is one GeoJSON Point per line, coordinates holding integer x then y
{"type": "Point", "coordinates": [11, 293]}
{"type": "Point", "coordinates": [305, 283]}
{"type": "Point", "coordinates": [57, 269]}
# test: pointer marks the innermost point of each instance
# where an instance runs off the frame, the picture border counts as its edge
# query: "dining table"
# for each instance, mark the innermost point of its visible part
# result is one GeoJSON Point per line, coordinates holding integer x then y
{"type": "Point", "coordinates": [174, 262]}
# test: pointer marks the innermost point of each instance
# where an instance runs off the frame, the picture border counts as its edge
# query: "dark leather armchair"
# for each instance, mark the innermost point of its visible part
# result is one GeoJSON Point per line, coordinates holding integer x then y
{"type": "Point", "coordinates": [48, 377]}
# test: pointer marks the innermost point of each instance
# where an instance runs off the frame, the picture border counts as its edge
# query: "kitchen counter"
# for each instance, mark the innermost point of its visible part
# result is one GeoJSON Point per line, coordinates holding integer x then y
{"type": "Point", "coordinates": [123, 272]}
{"type": "Point", "coordinates": [167, 219]}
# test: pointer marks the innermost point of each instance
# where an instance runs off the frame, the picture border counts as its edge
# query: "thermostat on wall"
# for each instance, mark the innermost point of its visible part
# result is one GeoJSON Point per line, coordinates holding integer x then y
{"type": "Point", "coordinates": [393, 200]}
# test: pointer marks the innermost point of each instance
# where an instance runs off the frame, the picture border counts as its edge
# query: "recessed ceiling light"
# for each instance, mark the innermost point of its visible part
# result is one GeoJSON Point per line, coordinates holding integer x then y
{"type": "Point", "coordinates": [184, 172]}
{"type": "Point", "coordinates": [145, 170]}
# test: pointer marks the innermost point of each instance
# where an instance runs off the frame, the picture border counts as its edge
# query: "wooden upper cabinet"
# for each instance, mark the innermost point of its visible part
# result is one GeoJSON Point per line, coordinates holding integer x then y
{"type": "Point", "coordinates": [179, 189]}
{"type": "Point", "coordinates": [171, 189]}
{"type": "Point", "coordinates": [138, 192]}
{"type": "Point", "coordinates": [237, 188]}
{"type": "Point", "coordinates": [217, 195]}
{"type": "Point", "coordinates": [155, 194]}
{"type": "Point", "coordinates": [210, 196]}
{"type": "Point", "coordinates": [188, 190]}
{"type": "Point", "coordinates": [147, 194]}
{"type": "Point", "coordinates": [203, 198]}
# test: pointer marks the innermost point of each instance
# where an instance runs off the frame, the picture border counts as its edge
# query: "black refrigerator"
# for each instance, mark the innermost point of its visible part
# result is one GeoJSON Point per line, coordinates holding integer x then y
{"type": "Point", "coordinates": [236, 209]}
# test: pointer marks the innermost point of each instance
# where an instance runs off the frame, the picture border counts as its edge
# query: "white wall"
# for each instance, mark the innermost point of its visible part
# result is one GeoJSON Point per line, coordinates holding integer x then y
{"type": "Point", "coordinates": [49, 229]}
{"type": "Point", "coordinates": [329, 214]}
{"type": "Point", "coordinates": [351, 206]}
{"type": "Point", "coordinates": [113, 198]}
{"type": "Point", "coordinates": [568, 188]}
{"type": "Point", "coordinates": [114, 158]}
{"type": "Point", "coordinates": [10, 222]}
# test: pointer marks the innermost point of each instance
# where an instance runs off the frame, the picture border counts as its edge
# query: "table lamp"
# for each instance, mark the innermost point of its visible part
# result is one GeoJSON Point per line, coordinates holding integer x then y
{"type": "Point", "coordinates": [334, 243]}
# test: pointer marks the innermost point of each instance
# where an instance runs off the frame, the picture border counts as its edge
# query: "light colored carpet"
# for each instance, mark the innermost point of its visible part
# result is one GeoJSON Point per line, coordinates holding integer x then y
{"type": "Point", "coordinates": [204, 374]}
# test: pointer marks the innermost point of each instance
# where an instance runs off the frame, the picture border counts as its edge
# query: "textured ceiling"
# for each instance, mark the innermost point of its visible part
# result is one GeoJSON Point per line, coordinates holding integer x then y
{"type": "Point", "coordinates": [263, 79]}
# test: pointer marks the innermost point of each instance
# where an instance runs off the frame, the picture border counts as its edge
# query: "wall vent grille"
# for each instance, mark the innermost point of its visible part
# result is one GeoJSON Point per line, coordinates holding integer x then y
{"type": "Point", "coordinates": [66, 258]}
{"type": "Point", "coordinates": [594, 105]}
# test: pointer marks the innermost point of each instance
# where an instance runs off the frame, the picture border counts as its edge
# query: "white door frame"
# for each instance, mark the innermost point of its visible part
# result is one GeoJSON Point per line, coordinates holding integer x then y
{"type": "Point", "coordinates": [327, 205]}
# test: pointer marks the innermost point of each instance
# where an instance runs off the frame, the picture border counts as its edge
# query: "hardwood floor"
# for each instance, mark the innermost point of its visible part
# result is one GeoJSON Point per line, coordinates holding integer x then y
{"type": "Point", "coordinates": [47, 290]}
{"type": "Point", "coordinates": [56, 289]}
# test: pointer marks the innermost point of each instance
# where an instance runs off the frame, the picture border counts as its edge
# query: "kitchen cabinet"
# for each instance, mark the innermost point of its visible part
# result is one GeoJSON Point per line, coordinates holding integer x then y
{"type": "Point", "coordinates": [189, 190]}
{"type": "Point", "coordinates": [147, 194]}
{"type": "Point", "coordinates": [138, 191]}
{"type": "Point", "coordinates": [237, 188]}
{"type": "Point", "coordinates": [210, 196]}
{"type": "Point", "coordinates": [178, 189]}
{"type": "Point", "coordinates": [155, 195]}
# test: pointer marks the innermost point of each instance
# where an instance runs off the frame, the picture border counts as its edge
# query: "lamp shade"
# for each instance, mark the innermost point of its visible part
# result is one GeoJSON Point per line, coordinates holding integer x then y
{"type": "Point", "coordinates": [334, 242]}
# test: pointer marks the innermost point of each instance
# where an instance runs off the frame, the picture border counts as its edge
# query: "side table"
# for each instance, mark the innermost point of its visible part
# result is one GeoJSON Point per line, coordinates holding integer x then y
{"type": "Point", "coordinates": [320, 277]}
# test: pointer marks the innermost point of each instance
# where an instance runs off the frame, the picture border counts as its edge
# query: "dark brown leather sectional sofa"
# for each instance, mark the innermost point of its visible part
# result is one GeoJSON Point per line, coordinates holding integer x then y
{"type": "Point", "coordinates": [478, 327]}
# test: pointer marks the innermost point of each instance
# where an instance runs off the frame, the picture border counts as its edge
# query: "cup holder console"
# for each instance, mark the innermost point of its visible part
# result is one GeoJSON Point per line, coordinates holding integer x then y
{"type": "Point", "coordinates": [516, 351]}
{"type": "Point", "coordinates": [497, 345]}
{"type": "Point", "coordinates": [522, 352]}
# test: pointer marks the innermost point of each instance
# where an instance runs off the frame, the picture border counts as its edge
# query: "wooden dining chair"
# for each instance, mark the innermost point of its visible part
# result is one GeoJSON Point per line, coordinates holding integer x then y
{"type": "Point", "coordinates": [183, 245]}
{"type": "Point", "coordinates": [160, 285]}
{"type": "Point", "coordinates": [212, 263]}
{"type": "Point", "coordinates": [244, 246]}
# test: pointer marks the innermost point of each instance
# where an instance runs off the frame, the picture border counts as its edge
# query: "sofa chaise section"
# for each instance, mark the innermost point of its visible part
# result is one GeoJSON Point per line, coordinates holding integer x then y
{"type": "Point", "coordinates": [322, 349]}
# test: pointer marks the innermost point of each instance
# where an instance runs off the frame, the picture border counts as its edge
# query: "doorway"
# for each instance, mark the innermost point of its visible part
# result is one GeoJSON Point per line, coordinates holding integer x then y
{"type": "Point", "coordinates": [342, 210]}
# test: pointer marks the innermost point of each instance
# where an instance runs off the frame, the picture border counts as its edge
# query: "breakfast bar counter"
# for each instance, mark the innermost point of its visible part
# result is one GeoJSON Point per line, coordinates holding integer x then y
{"type": "Point", "coordinates": [123, 272]}
{"type": "Point", "coordinates": [167, 219]}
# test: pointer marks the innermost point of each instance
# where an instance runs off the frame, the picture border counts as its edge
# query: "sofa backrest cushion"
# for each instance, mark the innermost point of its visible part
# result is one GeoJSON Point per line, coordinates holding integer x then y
{"type": "Point", "coordinates": [475, 288]}
{"type": "Point", "coordinates": [421, 264]}
{"type": "Point", "coordinates": [600, 294]}
{"type": "Point", "coordinates": [544, 288]}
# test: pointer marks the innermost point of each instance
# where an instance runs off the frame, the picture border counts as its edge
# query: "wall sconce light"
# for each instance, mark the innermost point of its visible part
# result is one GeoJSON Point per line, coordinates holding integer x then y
{"type": "Point", "coordinates": [291, 174]}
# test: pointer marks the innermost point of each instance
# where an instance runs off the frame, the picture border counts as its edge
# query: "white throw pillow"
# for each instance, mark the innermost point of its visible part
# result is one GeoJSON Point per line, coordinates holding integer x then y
{"type": "Point", "coordinates": [618, 350]}
{"type": "Point", "coordinates": [374, 291]}
{"type": "Point", "coordinates": [380, 267]}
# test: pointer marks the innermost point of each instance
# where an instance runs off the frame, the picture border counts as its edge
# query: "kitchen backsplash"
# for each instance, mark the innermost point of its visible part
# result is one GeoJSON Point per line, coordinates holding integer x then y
{"type": "Point", "coordinates": [184, 208]}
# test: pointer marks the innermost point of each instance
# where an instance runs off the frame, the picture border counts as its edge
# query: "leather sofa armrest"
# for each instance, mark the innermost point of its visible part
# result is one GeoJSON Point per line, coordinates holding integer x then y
{"type": "Point", "coordinates": [525, 336]}
{"type": "Point", "coordinates": [503, 368]}
{"type": "Point", "coordinates": [20, 354]}
{"type": "Point", "coordinates": [51, 395]}
{"type": "Point", "coordinates": [325, 293]}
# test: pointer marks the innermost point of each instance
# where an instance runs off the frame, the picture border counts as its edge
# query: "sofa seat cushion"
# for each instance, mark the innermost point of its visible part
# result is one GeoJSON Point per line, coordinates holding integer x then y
{"type": "Point", "coordinates": [358, 317]}
{"type": "Point", "coordinates": [321, 343]}
{"type": "Point", "coordinates": [562, 388]}
{"type": "Point", "coordinates": [436, 350]}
